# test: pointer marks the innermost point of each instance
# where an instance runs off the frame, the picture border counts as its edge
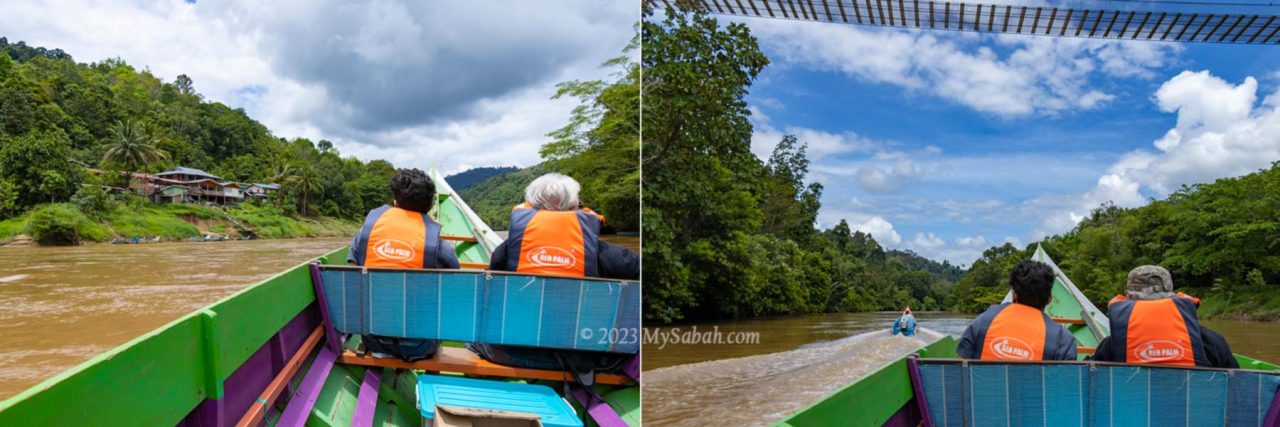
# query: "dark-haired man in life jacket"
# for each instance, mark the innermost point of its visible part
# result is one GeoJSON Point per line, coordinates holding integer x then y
{"type": "Point", "coordinates": [1152, 325]}
{"type": "Point", "coordinates": [403, 236]}
{"type": "Point", "coordinates": [551, 233]}
{"type": "Point", "coordinates": [1020, 331]}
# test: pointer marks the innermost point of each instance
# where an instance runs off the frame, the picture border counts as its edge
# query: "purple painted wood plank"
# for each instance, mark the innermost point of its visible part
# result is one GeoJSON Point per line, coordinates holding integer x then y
{"type": "Point", "coordinates": [331, 337]}
{"type": "Point", "coordinates": [1273, 413]}
{"type": "Point", "coordinates": [632, 367]}
{"type": "Point", "coordinates": [248, 380]}
{"type": "Point", "coordinates": [301, 401]}
{"type": "Point", "coordinates": [596, 407]}
{"type": "Point", "coordinates": [907, 416]}
{"type": "Point", "coordinates": [367, 402]}
{"type": "Point", "coordinates": [922, 402]}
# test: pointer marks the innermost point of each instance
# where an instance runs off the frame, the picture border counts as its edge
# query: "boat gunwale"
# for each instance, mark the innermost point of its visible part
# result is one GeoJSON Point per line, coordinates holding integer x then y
{"type": "Point", "coordinates": [473, 271]}
{"type": "Point", "coordinates": [879, 370]}
{"type": "Point", "coordinates": [1091, 363]}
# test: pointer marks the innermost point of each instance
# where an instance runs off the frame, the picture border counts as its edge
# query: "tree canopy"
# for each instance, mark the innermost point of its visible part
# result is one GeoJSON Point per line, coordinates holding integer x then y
{"type": "Point", "coordinates": [1212, 237]}
{"type": "Point", "coordinates": [728, 234]}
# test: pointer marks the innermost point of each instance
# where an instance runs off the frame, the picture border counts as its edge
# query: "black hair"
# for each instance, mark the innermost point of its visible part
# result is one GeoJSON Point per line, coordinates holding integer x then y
{"type": "Point", "coordinates": [1032, 281]}
{"type": "Point", "coordinates": [413, 190]}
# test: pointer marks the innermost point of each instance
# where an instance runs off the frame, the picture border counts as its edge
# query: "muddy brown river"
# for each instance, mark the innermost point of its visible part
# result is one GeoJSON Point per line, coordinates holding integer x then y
{"type": "Point", "coordinates": [60, 306]}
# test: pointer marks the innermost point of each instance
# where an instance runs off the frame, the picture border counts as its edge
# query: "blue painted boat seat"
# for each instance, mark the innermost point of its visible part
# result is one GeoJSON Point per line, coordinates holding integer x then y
{"type": "Point", "coordinates": [969, 393]}
{"type": "Point", "coordinates": [469, 393]}
{"type": "Point", "coordinates": [484, 307]}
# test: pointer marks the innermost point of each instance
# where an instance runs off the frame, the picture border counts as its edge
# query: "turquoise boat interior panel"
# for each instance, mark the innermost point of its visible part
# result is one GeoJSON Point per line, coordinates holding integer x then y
{"type": "Point", "coordinates": [1076, 394]}
{"type": "Point", "coordinates": [434, 390]}
{"type": "Point", "coordinates": [484, 307]}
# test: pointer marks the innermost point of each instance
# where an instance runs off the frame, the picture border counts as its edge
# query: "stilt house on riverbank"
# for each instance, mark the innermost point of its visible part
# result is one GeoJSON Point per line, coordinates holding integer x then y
{"type": "Point", "coordinates": [190, 185]}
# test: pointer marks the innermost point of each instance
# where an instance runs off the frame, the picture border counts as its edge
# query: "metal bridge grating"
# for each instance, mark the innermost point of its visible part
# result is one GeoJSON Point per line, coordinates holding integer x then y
{"type": "Point", "coordinates": [1116, 24]}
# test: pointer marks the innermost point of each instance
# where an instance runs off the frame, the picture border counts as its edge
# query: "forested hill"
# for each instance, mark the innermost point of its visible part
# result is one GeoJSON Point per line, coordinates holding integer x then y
{"type": "Point", "coordinates": [942, 270]}
{"type": "Point", "coordinates": [470, 177]}
{"type": "Point", "coordinates": [493, 197]}
{"type": "Point", "coordinates": [1220, 240]}
{"type": "Point", "coordinates": [58, 116]}
{"type": "Point", "coordinates": [59, 119]}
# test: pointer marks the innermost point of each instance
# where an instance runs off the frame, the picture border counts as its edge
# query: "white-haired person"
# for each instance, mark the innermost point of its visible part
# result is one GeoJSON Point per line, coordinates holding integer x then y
{"type": "Point", "coordinates": [551, 233]}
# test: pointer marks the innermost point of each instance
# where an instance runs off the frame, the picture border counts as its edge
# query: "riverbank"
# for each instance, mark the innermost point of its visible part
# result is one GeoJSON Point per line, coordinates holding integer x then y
{"type": "Point", "coordinates": [1252, 303]}
{"type": "Point", "coordinates": [65, 224]}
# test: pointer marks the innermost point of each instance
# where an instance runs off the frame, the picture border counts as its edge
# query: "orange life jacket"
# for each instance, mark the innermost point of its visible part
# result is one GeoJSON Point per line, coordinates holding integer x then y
{"type": "Point", "coordinates": [1017, 332]}
{"type": "Point", "coordinates": [554, 242]}
{"type": "Point", "coordinates": [398, 238]}
{"type": "Point", "coordinates": [1161, 332]}
{"type": "Point", "coordinates": [526, 205]}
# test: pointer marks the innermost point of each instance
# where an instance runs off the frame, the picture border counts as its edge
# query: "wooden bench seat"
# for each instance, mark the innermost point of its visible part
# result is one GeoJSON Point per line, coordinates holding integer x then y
{"type": "Point", "coordinates": [454, 238]}
{"type": "Point", "coordinates": [464, 361]}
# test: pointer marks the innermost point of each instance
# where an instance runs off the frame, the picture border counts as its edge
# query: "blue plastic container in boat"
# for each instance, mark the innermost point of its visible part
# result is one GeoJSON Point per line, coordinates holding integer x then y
{"type": "Point", "coordinates": [439, 390]}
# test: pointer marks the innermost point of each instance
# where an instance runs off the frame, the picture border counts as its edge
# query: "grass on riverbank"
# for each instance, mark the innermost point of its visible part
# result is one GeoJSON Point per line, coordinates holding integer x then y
{"type": "Point", "coordinates": [53, 223]}
{"type": "Point", "coordinates": [1261, 303]}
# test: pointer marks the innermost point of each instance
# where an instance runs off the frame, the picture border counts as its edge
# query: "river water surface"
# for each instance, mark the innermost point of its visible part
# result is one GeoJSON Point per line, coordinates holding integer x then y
{"type": "Point", "coordinates": [60, 306]}
{"type": "Point", "coordinates": [799, 359]}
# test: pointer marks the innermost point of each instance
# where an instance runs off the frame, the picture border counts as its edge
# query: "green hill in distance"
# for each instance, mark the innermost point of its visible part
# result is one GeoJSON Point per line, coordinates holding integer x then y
{"type": "Point", "coordinates": [493, 197]}
{"type": "Point", "coordinates": [470, 177]}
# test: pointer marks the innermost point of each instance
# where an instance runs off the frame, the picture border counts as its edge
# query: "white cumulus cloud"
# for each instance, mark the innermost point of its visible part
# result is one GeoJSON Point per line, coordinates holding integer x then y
{"type": "Point", "coordinates": [1222, 131]}
{"type": "Point", "coordinates": [927, 241]}
{"type": "Point", "coordinates": [1023, 76]}
{"type": "Point", "coordinates": [820, 145]}
{"type": "Point", "coordinates": [880, 229]}
{"type": "Point", "coordinates": [971, 241]}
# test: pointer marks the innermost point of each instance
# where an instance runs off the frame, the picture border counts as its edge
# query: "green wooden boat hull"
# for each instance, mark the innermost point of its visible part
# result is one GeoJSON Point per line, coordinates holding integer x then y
{"type": "Point", "coordinates": [209, 366]}
{"type": "Point", "coordinates": [885, 397]}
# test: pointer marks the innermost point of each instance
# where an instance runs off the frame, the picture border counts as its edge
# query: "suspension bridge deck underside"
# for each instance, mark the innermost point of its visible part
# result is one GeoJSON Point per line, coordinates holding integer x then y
{"type": "Point", "coordinates": [1137, 21]}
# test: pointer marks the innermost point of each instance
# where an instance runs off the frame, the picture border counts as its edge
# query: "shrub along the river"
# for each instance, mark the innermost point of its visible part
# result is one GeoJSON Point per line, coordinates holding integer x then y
{"type": "Point", "coordinates": [63, 224]}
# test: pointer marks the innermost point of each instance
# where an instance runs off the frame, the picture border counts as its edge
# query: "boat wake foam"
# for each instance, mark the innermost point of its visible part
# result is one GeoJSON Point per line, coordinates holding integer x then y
{"type": "Point", "coordinates": [758, 390]}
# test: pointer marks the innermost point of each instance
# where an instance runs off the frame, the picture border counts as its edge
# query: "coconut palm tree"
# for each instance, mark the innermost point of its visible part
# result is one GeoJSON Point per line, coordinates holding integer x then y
{"type": "Point", "coordinates": [306, 181]}
{"type": "Point", "coordinates": [132, 146]}
{"type": "Point", "coordinates": [282, 173]}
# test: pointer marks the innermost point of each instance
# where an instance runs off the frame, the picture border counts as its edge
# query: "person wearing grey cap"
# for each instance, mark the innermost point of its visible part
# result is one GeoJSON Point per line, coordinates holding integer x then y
{"type": "Point", "coordinates": [1150, 324]}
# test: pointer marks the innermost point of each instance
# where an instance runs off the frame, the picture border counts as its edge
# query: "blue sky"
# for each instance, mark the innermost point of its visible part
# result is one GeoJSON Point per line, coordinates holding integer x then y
{"type": "Point", "coordinates": [947, 143]}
